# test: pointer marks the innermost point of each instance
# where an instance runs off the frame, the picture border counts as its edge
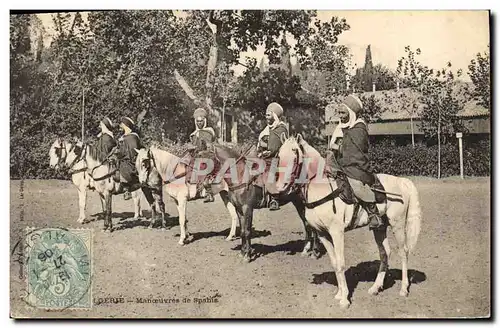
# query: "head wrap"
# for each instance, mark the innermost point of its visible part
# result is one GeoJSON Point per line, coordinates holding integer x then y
{"type": "Point", "coordinates": [200, 113]}
{"type": "Point", "coordinates": [107, 123]}
{"type": "Point", "coordinates": [275, 108]}
{"type": "Point", "coordinates": [353, 103]}
{"type": "Point", "coordinates": [128, 122]}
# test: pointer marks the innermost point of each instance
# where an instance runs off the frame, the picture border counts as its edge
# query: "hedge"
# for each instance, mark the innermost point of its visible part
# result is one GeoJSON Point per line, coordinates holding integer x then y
{"type": "Point", "coordinates": [423, 160]}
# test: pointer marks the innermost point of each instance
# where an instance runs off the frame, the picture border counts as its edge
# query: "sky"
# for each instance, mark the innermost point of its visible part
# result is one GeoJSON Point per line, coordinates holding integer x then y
{"type": "Point", "coordinates": [442, 36]}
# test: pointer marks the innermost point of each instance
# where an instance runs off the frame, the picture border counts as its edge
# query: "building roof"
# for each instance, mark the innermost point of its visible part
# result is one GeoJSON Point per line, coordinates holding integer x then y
{"type": "Point", "coordinates": [404, 104]}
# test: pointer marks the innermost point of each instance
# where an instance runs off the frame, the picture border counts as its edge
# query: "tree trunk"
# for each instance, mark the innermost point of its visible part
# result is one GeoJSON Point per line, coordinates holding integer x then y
{"type": "Point", "coordinates": [439, 143]}
{"type": "Point", "coordinates": [215, 26]}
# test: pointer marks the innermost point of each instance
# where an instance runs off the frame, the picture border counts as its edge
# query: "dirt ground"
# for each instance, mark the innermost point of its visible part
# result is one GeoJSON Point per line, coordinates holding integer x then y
{"type": "Point", "coordinates": [450, 267]}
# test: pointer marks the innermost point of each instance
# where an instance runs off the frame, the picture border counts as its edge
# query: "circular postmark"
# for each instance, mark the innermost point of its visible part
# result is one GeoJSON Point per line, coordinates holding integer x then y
{"type": "Point", "coordinates": [58, 268]}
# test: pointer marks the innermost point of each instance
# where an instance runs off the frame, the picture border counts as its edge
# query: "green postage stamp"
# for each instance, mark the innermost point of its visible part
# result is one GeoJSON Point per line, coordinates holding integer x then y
{"type": "Point", "coordinates": [59, 268]}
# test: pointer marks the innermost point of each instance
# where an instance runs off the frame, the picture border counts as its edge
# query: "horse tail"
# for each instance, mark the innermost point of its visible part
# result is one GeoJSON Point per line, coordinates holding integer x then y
{"type": "Point", "coordinates": [413, 215]}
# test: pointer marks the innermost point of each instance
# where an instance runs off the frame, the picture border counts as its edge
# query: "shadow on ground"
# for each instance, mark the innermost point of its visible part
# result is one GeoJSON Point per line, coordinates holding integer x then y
{"type": "Point", "coordinates": [367, 272]}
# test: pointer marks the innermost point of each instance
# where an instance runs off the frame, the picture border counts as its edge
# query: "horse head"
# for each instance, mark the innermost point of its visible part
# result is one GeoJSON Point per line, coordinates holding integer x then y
{"type": "Point", "coordinates": [57, 154]}
{"type": "Point", "coordinates": [291, 153]}
{"type": "Point", "coordinates": [64, 153]}
{"type": "Point", "coordinates": [143, 163]}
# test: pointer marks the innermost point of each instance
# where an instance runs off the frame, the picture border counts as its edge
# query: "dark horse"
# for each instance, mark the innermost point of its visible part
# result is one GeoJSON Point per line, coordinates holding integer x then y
{"type": "Point", "coordinates": [249, 195]}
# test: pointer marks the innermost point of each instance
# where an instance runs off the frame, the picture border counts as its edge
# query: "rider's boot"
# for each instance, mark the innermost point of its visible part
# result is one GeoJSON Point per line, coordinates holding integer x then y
{"type": "Point", "coordinates": [209, 198]}
{"type": "Point", "coordinates": [274, 204]}
{"type": "Point", "coordinates": [127, 194]}
{"type": "Point", "coordinates": [375, 221]}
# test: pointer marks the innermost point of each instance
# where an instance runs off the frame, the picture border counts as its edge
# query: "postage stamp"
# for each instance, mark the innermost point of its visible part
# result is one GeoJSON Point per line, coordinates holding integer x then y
{"type": "Point", "coordinates": [59, 268]}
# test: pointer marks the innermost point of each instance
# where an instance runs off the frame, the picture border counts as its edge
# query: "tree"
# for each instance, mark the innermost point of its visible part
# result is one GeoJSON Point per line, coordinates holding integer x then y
{"type": "Point", "coordinates": [231, 32]}
{"type": "Point", "coordinates": [27, 100]}
{"type": "Point", "coordinates": [440, 104]}
{"type": "Point", "coordinates": [382, 76]}
{"type": "Point", "coordinates": [371, 108]}
{"type": "Point", "coordinates": [367, 77]}
{"type": "Point", "coordinates": [479, 72]}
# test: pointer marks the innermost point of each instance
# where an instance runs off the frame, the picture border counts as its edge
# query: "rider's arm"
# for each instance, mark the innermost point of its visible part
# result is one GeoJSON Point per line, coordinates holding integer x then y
{"type": "Point", "coordinates": [274, 143]}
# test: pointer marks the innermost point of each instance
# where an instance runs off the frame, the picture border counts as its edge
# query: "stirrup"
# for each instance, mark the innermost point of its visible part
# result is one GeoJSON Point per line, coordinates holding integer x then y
{"type": "Point", "coordinates": [127, 195]}
{"type": "Point", "coordinates": [209, 199]}
{"type": "Point", "coordinates": [274, 205]}
{"type": "Point", "coordinates": [375, 222]}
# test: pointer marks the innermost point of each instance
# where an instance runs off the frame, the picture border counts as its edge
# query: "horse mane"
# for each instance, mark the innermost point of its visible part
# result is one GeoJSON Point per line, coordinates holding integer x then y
{"type": "Point", "coordinates": [96, 154]}
{"type": "Point", "coordinates": [308, 148]}
{"type": "Point", "coordinates": [230, 151]}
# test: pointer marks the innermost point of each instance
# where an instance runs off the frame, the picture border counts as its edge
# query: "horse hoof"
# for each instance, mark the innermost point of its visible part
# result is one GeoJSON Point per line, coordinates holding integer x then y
{"type": "Point", "coordinates": [230, 238]}
{"type": "Point", "coordinates": [246, 259]}
{"type": "Point", "coordinates": [181, 242]}
{"type": "Point", "coordinates": [305, 253]}
{"type": "Point", "coordinates": [338, 296]}
{"type": "Point", "coordinates": [403, 293]}
{"type": "Point", "coordinates": [374, 290]}
{"type": "Point", "coordinates": [163, 228]}
{"type": "Point", "coordinates": [150, 227]}
{"type": "Point", "coordinates": [344, 304]}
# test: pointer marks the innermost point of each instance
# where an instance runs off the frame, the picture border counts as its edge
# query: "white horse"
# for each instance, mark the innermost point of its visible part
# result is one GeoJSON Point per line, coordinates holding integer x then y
{"type": "Point", "coordinates": [181, 192]}
{"type": "Point", "coordinates": [332, 217]}
{"type": "Point", "coordinates": [70, 155]}
{"type": "Point", "coordinates": [102, 174]}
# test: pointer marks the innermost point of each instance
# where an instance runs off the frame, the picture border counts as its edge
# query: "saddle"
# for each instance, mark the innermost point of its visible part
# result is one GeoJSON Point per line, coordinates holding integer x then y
{"type": "Point", "coordinates": [352, 191]}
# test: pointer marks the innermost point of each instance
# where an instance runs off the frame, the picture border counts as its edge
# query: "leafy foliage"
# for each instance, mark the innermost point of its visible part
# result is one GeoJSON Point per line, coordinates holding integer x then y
{"type": "Point", "coordinates": [436, 94]}
{"type": "Point", "coordinates": [479, 72]}
{"type": "Point", "coordinates": [421, 160]}
{"type": "Point", "coordinates": [371, 108]}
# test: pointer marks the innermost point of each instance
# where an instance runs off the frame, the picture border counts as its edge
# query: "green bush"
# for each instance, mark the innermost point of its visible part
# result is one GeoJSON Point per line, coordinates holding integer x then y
{"type": "Point", "coordinates": [423, 160]}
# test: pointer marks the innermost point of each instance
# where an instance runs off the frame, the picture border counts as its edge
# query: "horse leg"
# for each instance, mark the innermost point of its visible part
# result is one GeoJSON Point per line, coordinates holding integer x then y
{"type": "Point", "coordinates": [103, 206]}
{"type": "Point", "coordinates": [161, 207]}
{"type": "Point", "coordinates": [149, 197]}
{"type": "Point", "coordinates": [181, 208]}
{"type": "Point", "coordinates": [385, 252]}
{"type": "Point", "coordinates": [246, 233]}
{"type": "Point", "coordinates": [105, 202]}
{"type": "Point", "coordinates": [232, 212]}
{"type": "Point", "coordinates": [338, 240]}
{"type": "Point", "coordinates": [109, 211]}
{"type": "Point", "coordinates": [136, 197]}
{"type": "Point", "coordinates": [301, 210]}
{"type": "Point", "coordinates": [399, 233]}
{"type": "Point", "coordinates": [82, 202]}
{"type": "Point", "coordinates": [315, 243]}
{"type": "Point", "coordinates": [327, 242]}
{"type": "Point", "coordinates": [310, 244]}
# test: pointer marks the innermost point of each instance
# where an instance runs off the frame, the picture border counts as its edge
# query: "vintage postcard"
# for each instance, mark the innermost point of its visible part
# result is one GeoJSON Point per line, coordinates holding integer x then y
{"type": "Point", "coordinates": [250, 164]}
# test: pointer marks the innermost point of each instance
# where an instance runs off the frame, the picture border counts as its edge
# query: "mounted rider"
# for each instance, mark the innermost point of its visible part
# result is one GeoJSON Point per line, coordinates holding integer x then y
{"type": "Point", "coordinates": [127, 155]}
{"type": "Point", "coordinates": [350, 139]}
{"type": "Point", "coordinates": [269, 142]}
{"type": "Point", "coordinates": [105, 139]}
{"type": "Point", "coordinates": [203, 134]}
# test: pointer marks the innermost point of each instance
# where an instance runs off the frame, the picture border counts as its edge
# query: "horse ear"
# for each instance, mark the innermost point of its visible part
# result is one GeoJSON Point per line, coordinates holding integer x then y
{"type": "Point", "coordinates": [136, 150]}
{"type": "Point", "coordinates": [149, 153]}
{"type": "Point", "coordinates": [299, 138]}
{"type": "Point", "coordinates": [283, 137]}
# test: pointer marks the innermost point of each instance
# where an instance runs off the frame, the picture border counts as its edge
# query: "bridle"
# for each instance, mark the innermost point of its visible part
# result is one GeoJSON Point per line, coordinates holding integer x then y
{"type": "Point", "coordinates": [302, 190]}
{"type": "Point", "coordinates": [61, 160]}
{"type": "Point", "coordinates": [296, 171]}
